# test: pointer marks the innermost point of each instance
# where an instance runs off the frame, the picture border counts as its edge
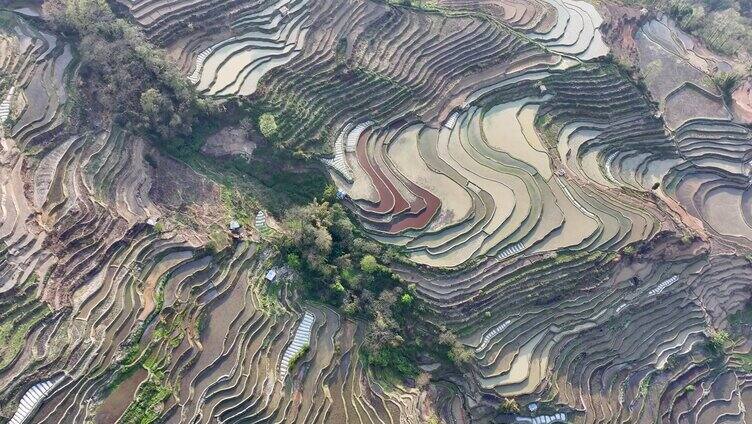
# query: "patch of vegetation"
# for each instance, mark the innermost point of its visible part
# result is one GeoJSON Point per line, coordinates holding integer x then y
{"type": "Point", "coordinates": [170, 329]}
{"type": "Point", "coordinates": [288, 179]}
{"type": "Point", "coordinates": [126, 367]}
{"type": "Point", "coordinates": [13, 334]}
{"type": "Point", "coordinates": [509, 406]}
{"type": "Point", "coordinates": [150, 396]}
{"type": "Point", "coordinates": [341, 267]}
{"type": "Point", "coordinates": [726, 82]}
{"type": "Point", "coordinates": [159, 290]}
{"type": "Point", "coordinates": [457, 352]}
{"type": "Point", "coordinates": [202, 322]}
{"type": "Point", "coordinates": [274, 177]}
{"type": "Point", "coordinates": [298, 356]}
{"type": "Point", "coordinates": [267, 125]}
{"type": "Point", "coordinates": [715, 347]}
{"type": "Point", "coordinates": [237, 206]}
{"type": "Point", "coordinates": [268, 297]}
{"type": "Point", "coordinates": [147, 405]}
{"type": "Point", "coordinates": [18, 319]}
{"type": "Point", "coordinates": [425, 5]}
{"type": "Point", "coordinates": [393, 362]}
{"type": "Point", "coordinates": [123, 77]}
{"type": "Point", "coordinates": [644, 388]}
{"type": "Point", "coordinates": [219, 240]}
{"type": "Point", "coordinates": [745, 361]}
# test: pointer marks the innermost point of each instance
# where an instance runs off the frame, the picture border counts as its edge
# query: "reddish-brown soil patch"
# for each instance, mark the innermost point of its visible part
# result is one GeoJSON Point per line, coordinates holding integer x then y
{"type": "Point", "coordinates": [620, 23]}
{"type": "Point", "coordinates": [413, 215]}
{"type": "Point", "coordinates": [389, 198]}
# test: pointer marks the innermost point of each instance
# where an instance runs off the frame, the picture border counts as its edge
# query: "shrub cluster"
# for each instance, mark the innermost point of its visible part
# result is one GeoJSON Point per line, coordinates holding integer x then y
{"type": "Point", "coordinates": [340, 267]}
{"type": "Point", "coordinates": [121, 76]}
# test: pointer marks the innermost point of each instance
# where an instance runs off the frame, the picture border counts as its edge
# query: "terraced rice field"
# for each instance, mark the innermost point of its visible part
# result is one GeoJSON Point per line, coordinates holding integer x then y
{"type": "Point", "coordinates": [587, 238]}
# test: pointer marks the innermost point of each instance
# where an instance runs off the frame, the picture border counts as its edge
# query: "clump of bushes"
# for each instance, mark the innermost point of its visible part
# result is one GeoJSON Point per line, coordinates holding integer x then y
{"type": "Point", "coordinates": [340, 267]}
{"type": "Point", "coordinates": [726, 82]}
{"type": "Point", "coordinates": [716, 345]}
{"type": "Point", "coordinates": [267, 125]}
{"type": "Point", "coordinates": [149, 399]}
{"type": "Point", "coordinates": [644, 387]}
{"type": "Point", "coordinates": [121, 76]}
{"type": "Point", "coordinates": [510, 406]}
{"type": "Point", "coordinates": [717, 342]}
{"type": "Point", "coordinates": [298, 356]}
{"type": "Point", "coordinates": [457, 352]}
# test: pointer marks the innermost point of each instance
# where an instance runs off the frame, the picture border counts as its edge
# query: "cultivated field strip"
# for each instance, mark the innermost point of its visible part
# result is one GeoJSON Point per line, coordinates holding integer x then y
{"type": "Point", "coordinates": [591, 341]}
{"type": "Point", "coordinates": [458, 55]}
{"type": "Point", "coordinates": [235, 65]}
{"type": "Point", "coordinates": [469, 166]}
{"type": "Point", "coordinates": [37, 65]}
{"type": "Point", "coordinates": [562, 26]}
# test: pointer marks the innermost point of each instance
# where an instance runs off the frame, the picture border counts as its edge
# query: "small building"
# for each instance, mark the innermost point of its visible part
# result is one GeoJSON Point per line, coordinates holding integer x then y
{"type": "Point", "coordinates": [271, 275]}
{"type": "Point", "coordinates": [341, 194]}
{"type": "Point", "coordinates": [234, 226]}
{"type": "Point", "coordinates": [284, 10]}
{"type": "Point", "coordinates": [542, 89]}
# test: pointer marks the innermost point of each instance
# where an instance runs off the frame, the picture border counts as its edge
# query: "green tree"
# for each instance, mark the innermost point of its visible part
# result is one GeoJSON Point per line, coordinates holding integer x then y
{"type": "Point", "coordinates": [309, 234]}
{"type": "Point", "coordinates": [159, 114]}
{"type": "Point", "coordinates": [459, 354]}
{"type": "Point", "coordinates": [293, 260]}
{"type": "Point", "coordinates": [509, 405]}
{"type": "Point", "coordinates": [330, 193]}
{"type": "Point", "coordinates": [267, 125]}
{"type": "Point", "coordinates": [369, 264]}
{"type": "Point", "coordinates": [337, 287]}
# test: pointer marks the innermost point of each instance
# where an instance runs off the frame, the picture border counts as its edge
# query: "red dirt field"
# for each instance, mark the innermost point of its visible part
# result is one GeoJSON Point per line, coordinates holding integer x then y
{"type": "Point", "coordinates": [389, 198]}
{"type": "Point", "coordinates": [414, 215]}
{"type": "Point", "coordinates": [619, 27]}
